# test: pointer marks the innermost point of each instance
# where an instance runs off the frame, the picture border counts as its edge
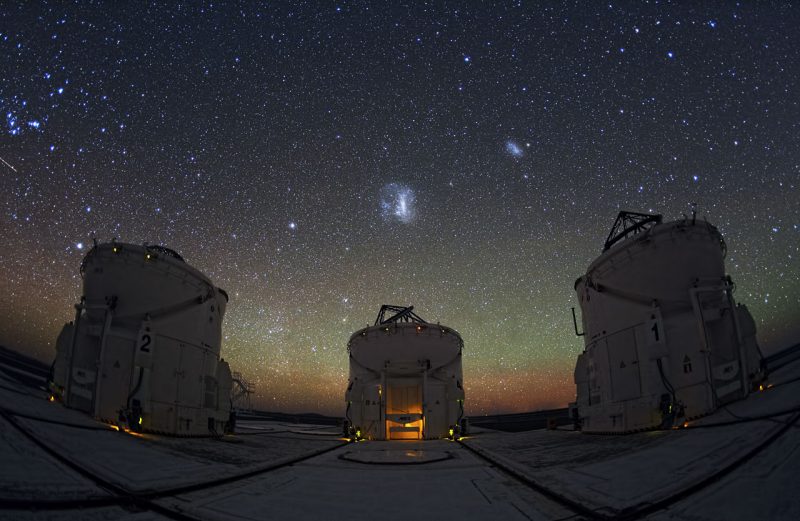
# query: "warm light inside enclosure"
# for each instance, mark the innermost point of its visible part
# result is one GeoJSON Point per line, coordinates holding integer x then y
{"type": "Point", "coordinates": [404, 399]}
{"type": "Point", "coordinates": [406, 381]}
{"type": "Point", "coordinates": [404, 431]}
{"type": "Point", "coordinates": [404, 411]}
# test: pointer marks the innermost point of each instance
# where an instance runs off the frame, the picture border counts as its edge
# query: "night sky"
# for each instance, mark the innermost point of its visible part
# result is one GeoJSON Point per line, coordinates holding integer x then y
{"type": "Point", "coordinates": [317, 160]}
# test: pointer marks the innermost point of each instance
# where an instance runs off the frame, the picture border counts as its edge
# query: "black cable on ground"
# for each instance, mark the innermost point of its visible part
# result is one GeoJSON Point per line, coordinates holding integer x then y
{"type": "Point", "coordinates": [56, 422]}
{"type": "Point", "coordinates": [123, 497]}
{"type": "Point", "coordinates": [554, 496]}
{"type": "Point", "coordinates": [773, 386]}
{"type": "Point", "coordinates": [185, 489]}
{"type": "Point", "coordinates": [745, 419]}
{"type": "Point", "coordinates": [18, 391]}
{"type": "Point", "coordinates": [670, 500]}
{"type": "Point", "coordinates": [637, 512]}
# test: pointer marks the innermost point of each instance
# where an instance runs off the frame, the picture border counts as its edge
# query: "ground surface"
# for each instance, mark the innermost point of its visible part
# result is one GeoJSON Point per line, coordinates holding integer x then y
{"type": "Point", "coordinates": [739, 463]}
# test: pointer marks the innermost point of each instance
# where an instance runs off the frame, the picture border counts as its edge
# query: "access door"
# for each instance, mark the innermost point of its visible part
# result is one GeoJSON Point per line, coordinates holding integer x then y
{"type": "Point", "coordinates": [404, 410]}
{"type": "Point", "coordinates": [716, 313]}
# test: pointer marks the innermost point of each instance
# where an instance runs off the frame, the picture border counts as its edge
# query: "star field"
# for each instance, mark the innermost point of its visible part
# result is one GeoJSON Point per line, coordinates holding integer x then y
{"type": "Point", "coordinates": [317, 160]}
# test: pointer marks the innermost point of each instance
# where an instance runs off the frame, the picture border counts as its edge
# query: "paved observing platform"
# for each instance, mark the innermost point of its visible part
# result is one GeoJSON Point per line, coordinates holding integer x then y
{"type": "Point", "coordinates": [742, 462]}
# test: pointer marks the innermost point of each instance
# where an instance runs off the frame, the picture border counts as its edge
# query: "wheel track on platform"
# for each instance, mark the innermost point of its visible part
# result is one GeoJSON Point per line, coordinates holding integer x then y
{"type": "Point", "coordinates": [120, 496]}
{"type": "Point", "coordinates": [640, 510]}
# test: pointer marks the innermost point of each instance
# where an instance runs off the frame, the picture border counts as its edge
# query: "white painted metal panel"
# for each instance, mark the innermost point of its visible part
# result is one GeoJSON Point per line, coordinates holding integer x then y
{"type": "Point", "coordinates": [412, 363]}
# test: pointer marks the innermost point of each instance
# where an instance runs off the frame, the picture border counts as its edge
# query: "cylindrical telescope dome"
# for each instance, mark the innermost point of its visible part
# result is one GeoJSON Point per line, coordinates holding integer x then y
{"type": "Point", "coordinates": [405, 379]}
{"type": "Point", "coordinates": [143, 351]}
{"type": "Point", "coordinates": [659, 265]}
{"type": "Point", "coordinates": [153, 281]}
{"type": "Point", "coordinates": [662, 333]}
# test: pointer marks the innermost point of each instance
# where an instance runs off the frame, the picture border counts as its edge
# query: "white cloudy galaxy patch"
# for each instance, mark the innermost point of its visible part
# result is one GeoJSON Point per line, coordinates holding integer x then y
{"type": "Point", "coordinates": [397, 203]}
{"type": "Point", "coordinates": [514, 149]}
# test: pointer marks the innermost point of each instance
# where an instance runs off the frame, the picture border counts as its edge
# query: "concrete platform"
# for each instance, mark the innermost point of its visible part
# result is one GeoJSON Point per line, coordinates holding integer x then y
{"type": "Point", "coordinates": [256, 474]}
